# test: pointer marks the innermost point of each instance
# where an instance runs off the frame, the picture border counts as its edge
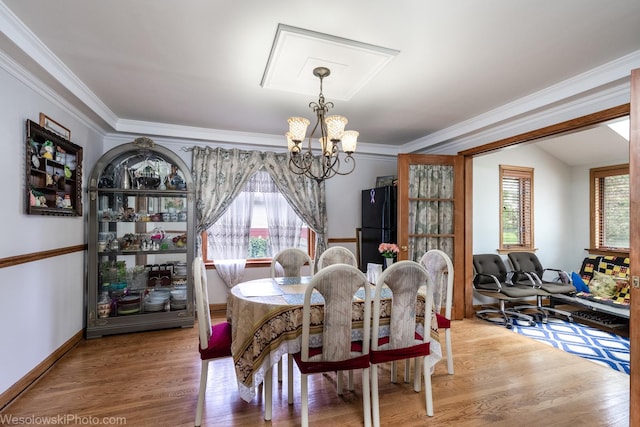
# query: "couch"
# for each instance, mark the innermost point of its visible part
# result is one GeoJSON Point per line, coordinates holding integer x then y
{"type": "Point", "coordinates": [616, 268]}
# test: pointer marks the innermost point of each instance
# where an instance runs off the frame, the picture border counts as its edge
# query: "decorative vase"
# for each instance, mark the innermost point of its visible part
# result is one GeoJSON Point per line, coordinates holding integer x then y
{"type": "Point", "coordinates": [104, 305]}
{"type": "Point", "coordinates": [388, 262]}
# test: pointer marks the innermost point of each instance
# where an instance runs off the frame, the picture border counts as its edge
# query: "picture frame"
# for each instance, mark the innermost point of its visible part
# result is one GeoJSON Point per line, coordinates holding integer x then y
{"type": "Point", "coordinates": [385, 181]}
{"type": "Point", "coordinates": [49, 124]}
{"type": "Point", "coordinates": [176, 204]}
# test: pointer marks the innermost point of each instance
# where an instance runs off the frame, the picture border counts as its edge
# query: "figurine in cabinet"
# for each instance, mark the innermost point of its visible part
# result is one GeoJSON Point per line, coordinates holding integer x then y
{"type": "Point", "coordinates": [47, 149]}
{"type": "Point", "coordinates": [174, 181]}
{"type": "Point", "coordinates": [37, 199]}
{"type": "Point", "coordinates": [60, 154]}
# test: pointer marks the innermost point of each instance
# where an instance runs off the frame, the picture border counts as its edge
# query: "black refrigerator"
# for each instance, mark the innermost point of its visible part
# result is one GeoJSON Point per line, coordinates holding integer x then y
{"type": "Point", "coordinates": [378, 223]}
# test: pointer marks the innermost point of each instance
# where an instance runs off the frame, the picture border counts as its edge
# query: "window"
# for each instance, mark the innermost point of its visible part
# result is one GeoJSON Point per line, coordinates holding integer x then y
{"type": "Point", "coordinates": [516, 208]}
{"type": "Point", "coordinates": [258, 223]}
{"type": "Point", "coordinates": [609, 200]}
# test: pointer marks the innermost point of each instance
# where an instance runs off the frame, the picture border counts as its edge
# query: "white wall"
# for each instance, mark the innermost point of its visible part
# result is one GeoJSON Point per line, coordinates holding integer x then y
{"type": "Point", "coordinates": [41, 303]}
{"type": "Point", "coordinates": [553, 219]}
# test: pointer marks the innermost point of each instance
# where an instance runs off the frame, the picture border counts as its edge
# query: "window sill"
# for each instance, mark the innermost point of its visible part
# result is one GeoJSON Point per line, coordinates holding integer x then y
{"type": "Point", "coordinates": [608, 252]}
{"type": "Point", "coordinates": [254, 263]}
{"type": "Point", "coordinates": [515, 249]}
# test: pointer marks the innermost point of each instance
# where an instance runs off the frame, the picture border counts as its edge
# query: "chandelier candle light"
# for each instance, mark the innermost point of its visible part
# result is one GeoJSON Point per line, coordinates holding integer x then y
{"type": "Point", "coordinates": [301, 160]}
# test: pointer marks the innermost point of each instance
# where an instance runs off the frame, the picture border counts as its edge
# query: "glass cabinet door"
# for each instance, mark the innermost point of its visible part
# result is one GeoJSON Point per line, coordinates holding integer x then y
{"type": "Point", "coordinates": [141, 242]}
{"type": "Point", "coordinates": [142, 248]}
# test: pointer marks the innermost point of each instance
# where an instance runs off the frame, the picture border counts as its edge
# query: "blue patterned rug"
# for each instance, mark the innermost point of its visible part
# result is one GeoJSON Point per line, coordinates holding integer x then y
{"type": "Point", "coordinates": [585, 341]}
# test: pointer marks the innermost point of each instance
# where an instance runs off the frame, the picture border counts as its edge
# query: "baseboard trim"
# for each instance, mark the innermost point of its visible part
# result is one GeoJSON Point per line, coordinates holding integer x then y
{"type": "Point", "coordinates": [218, 309]}
{"type": "Point", "coordinates": [25, 382]}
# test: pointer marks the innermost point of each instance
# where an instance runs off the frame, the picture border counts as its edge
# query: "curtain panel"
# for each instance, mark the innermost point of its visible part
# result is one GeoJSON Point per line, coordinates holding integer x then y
{"type": "Point", "coordinates": [229, 239]}
{"type": "Point", "coordinates": [430, 209]}
{"type": "Point", "coordinates": [306, 196]}
{"type": "Point", "coordinates": [220, 175]}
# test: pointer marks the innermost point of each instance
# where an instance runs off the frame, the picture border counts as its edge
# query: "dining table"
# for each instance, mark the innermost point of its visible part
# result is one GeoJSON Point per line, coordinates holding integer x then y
{"type": "Point", "coordinates": [266, 319]}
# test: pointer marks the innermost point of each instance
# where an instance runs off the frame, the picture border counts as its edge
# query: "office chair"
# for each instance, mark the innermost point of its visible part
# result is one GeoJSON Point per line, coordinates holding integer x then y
{"type": "Point", "coordinates": [530, 271]}
{"type": "Point", "coordinates": [494, 281]}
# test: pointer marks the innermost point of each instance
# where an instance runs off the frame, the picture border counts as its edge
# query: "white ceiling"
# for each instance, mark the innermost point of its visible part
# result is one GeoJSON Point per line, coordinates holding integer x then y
{"type": "Point", "coordinates": [595, 145]}
{"type": "Point", "coordinates": [177, 65]}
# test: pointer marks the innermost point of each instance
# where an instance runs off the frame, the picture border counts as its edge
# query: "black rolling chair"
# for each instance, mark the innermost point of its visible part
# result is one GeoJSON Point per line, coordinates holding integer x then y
{"type": "Point", "coordinates": [529, 270]}
{"type": "Point", "coordinates": [494, 281]}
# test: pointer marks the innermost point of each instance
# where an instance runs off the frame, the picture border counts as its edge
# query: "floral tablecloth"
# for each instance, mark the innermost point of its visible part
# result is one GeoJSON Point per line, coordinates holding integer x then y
{"type": "Point", "coordinates": [266, 319]}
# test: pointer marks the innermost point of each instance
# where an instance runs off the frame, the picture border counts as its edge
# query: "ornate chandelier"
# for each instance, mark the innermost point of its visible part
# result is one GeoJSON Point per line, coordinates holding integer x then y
{"type": "Point", "coordinates": [301, 159]}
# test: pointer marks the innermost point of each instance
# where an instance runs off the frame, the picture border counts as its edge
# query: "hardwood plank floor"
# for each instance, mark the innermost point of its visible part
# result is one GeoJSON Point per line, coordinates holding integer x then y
{"type": "Point", "coordinates": [151, 379]}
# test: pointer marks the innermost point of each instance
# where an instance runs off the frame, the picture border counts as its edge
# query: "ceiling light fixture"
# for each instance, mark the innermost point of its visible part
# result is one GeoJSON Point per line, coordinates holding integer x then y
{"type": "Point", "coordinates": [301, 159]}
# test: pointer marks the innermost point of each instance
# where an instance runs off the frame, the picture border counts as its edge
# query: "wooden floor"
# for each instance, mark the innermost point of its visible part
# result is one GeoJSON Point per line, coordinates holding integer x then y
{"type": "Point", "coordinates": [501, 379]}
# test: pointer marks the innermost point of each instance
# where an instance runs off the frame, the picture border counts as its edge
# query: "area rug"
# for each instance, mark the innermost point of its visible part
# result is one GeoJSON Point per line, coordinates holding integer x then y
{"type": "Point", "coordinates": [601, 347]}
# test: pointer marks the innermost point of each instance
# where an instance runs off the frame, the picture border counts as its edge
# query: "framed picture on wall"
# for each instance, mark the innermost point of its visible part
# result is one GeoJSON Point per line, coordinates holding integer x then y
{"type": "Point", "coordinates": [384, 181]}
{"type": "Point", "coordinates": [49, 124]}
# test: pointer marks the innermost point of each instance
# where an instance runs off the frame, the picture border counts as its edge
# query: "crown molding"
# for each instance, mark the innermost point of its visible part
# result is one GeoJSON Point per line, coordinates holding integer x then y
{"type": "Point", "coordinates": [578, 89]}
{"type": "Point", "coordinates": [41, 89]}
{"type": "Point", "coordinates": [16, 31]}
{"type": "Point", "coordinates": [612, 97]}
{"type": "Point", "coordinates": [178, 143]}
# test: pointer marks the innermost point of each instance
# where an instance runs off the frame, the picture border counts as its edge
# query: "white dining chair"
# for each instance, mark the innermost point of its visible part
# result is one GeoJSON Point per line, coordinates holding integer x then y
{"type": "Point", "coordinates": [338, 285]}
{"type": "Point", "coordinates": [403, 342]}
{"type": "Point", "coordinates": [215, 341]}
{"type": "Point", "coordinates": [440, 269]}
{"type": "Point", "coordinates": [289, 263]}
{"type": "Point", "coordinates": [331, 256]}
{"type": "Point", "coordinates": [336, 255]}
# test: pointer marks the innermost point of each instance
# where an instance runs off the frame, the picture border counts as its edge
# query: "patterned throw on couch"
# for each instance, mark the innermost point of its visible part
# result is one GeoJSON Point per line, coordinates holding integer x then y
{"type": "Point", "coordinates": [607, 278]}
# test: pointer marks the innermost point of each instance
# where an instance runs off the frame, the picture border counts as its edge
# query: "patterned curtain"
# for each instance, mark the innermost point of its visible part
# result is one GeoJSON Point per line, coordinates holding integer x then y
{"type": "Point", "coordinates": [305, 195]}
{"type": "Point", "coordinates": [229, 239]}
{"type": "Point", "coordinates": [283, 222]}
{"type": "Point", "coordinates": [219, 176]}
{"type": "Point", "coordinates": [430, 209]}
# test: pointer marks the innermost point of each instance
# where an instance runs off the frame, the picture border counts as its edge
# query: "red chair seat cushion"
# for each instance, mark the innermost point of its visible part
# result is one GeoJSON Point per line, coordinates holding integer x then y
{"type": "Point", "coordinates": [220, 342]}
{"type": "Point", "coordinates": [443, 322]}
{"type": "Point", "coordinates": [359, 362]}
{"type": "Point", "coordinates": [381, 356]}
